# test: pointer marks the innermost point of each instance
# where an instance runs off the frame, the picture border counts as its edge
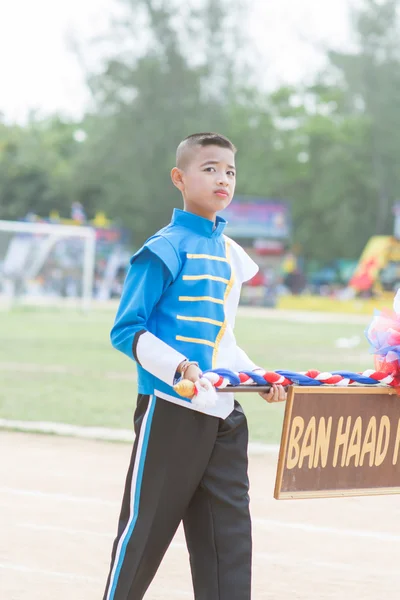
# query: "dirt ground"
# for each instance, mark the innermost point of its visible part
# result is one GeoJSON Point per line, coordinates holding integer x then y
{"type": "Point", "coordinates": [60, 498]}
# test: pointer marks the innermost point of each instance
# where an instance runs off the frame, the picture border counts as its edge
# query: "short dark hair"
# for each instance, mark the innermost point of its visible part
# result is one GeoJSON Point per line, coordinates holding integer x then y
{"type": "Point", "coordinates": [201, 139]}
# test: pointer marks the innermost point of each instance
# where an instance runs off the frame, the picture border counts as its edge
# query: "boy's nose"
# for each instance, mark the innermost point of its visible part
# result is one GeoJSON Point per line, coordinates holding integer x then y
{"type": "Point", "coordinates": [223, 180]}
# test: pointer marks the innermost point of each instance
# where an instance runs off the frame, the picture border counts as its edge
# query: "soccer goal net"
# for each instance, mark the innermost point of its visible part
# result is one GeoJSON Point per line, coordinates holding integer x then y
{"type": "Point", "coordinates": [40, 262]}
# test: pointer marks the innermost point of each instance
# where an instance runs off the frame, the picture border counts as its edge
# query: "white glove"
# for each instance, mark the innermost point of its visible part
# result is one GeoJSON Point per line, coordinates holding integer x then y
{"type": "Point", "coordinates": [206, 396]}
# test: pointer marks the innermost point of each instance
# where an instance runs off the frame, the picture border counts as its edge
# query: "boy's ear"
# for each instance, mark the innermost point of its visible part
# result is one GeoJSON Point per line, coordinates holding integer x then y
{"type": "Point", "coordinates": [177, 178]}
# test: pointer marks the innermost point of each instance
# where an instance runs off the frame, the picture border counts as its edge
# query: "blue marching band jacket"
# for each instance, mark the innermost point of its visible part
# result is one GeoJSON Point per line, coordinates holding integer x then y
{"type": "Point", "coordinates": [179, 302]}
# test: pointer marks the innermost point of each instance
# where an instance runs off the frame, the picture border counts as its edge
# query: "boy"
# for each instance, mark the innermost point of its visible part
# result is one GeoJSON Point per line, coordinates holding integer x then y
{"type": "Point", "coordinates": [189, 462]}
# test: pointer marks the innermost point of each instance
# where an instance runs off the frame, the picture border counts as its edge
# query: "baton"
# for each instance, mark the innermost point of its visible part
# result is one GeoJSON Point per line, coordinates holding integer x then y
{"type": "Point", "coordinates": [244, 388]}
{"type": "Point", "coordinates": [185, 388]}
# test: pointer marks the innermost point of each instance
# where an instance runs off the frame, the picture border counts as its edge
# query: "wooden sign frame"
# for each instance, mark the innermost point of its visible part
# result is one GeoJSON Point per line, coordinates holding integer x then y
{"type": "Point", "coordinates": [304, 481]}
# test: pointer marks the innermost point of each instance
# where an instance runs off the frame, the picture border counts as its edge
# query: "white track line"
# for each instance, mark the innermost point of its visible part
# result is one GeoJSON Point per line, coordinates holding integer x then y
{"type": "Point", "coordinates": [57, 496]}
{"type": "Point", "coordinates": [265, 523]}
{"type": "Point", "coordinates": [65, 530]}
{"type": "Point", "coordinates": [72, 531]}
{"type": "Point", "coordinates": [269, 557]}
{"type": "Point", "coordinates": [48, 573]}
{"type": "Point", "coordinates": [65, 429]}
{"type": "Point", "coordinates": [102, 433]}
{"type": "Point", "coordinates": [76, 577]}
{"type": "Point", "coordinates": [365, 571]}
{"type": "Point", "coordinates": [308, 528]}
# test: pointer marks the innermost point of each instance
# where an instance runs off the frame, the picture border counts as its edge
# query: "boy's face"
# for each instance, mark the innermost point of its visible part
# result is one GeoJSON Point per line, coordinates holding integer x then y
{"type": "Point", "coordinates": [207, 181]}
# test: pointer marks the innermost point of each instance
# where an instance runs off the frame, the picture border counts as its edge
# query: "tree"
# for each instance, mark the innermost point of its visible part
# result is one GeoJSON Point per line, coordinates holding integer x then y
{"type": "Point", "coordinates": [148, 97]}
{"type": "Point", "coordinates": [371, 78]}
{"type": "Point", "coordinates": [36, 166]}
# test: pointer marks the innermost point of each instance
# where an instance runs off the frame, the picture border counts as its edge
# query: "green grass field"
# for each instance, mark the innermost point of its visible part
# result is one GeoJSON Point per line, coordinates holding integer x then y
{"type": "Point", "coordinates": [58, 365]}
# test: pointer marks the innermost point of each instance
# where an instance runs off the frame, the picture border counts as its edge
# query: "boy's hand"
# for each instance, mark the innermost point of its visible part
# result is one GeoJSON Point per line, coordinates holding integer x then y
{"type": "Point", "coordinates": [277, 393]}
{"type": "Point", "coordinates": [193, 373]}
{"type": "Point", "coordinates": [205, 395]}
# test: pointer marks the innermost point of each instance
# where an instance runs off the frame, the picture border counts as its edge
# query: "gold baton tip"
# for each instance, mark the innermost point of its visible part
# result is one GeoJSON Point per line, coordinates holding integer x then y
{"type": "Point", "coordinates": [185, 388]}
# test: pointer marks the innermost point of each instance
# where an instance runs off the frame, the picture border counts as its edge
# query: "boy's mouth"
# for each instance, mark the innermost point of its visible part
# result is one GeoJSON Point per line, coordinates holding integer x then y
{"type": "Point", "coordinates": [221, 193]}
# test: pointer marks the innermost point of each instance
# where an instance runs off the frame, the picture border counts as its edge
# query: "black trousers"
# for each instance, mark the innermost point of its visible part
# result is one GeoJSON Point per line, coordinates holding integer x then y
{"type": "Point", "coordinates": [190, 467]}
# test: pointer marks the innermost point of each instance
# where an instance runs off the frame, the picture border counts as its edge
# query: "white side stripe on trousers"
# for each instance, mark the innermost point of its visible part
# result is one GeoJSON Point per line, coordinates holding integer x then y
{"type": "Point", "coordinates": [137, 476]}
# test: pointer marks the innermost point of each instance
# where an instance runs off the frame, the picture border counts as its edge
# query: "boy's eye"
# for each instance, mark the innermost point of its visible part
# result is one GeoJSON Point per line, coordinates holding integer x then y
{"type": "Point", "coordinates": [209, 169]}
{"type": "Point", "coordinates": [232, 173]}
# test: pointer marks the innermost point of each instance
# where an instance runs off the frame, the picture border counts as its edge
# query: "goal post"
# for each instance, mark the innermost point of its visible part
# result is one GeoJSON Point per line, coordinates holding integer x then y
{"type": "Point", "coordinates": [26, 246]}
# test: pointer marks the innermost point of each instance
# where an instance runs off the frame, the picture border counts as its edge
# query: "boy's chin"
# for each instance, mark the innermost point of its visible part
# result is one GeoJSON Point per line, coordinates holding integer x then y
{"type": "Point", "coordinates": [222, 203]}
{"type": "Point", "coordinates": [218, 206]}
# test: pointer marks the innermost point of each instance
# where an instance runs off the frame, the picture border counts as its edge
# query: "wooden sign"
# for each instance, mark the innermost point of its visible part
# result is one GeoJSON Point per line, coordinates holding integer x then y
{"type": "Point", "coordinates": [339, 442]}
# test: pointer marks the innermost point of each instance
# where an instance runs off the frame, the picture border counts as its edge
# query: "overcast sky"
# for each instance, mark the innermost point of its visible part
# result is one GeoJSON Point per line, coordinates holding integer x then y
{"type": "Point", "coordinates": [38, 71]}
